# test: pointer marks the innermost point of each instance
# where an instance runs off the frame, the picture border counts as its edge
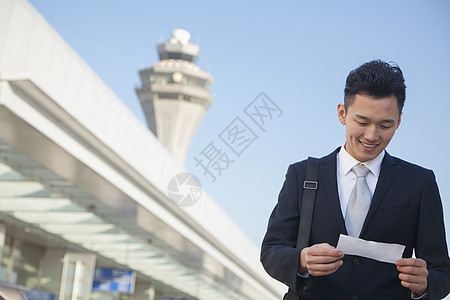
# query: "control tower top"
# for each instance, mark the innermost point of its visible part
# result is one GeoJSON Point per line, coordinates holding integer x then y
{"type": "Point", "coordinates": [179, 47]}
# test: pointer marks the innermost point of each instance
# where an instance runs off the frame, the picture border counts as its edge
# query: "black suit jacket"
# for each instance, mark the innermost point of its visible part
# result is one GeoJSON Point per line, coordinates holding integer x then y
{"type": "Point", "coordinates": [406, 209]}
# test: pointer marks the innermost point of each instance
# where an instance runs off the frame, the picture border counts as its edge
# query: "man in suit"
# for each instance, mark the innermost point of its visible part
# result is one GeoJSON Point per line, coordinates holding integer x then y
{"type": "Point", "coordinates": [402, 206]}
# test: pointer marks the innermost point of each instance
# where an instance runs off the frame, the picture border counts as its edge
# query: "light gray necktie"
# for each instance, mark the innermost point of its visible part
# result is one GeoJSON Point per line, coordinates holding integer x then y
{"type": "Point", "coordinates": [359, 202]}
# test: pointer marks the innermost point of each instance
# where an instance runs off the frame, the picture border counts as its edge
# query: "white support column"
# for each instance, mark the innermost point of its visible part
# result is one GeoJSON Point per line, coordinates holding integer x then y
{"type": "Point", "coordinates": [2, 245]}
{"type": "Point", "coordinates": [2, 239]}
{"type": "Point", "coordinates": [77, 276]}
{"type": "Point", "coordinates": [150, 293]}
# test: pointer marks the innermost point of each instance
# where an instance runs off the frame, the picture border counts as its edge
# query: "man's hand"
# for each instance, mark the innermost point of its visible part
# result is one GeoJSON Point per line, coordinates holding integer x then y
{"type": "Point", "coordinates": [320, 260]}
{"type": "Point", "coordinates": [413, 274]}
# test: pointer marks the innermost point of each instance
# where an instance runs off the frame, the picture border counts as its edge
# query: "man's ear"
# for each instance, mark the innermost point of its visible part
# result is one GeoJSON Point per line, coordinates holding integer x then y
{"type": "Point", "coordinates": [399, 119]}
{"type": "Point", "coordinates": [341, 113]}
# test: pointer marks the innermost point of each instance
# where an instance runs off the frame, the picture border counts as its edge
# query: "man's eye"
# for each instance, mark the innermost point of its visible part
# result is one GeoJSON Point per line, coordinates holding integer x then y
{"type": "Point", "coordinates": [361, 123]}
{"type": "Point", "coordinates": [385, 127]}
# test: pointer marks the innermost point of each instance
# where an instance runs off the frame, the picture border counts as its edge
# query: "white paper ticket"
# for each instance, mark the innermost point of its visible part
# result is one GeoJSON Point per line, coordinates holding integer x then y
{"type": "Point", "coordinates": [384, 252]}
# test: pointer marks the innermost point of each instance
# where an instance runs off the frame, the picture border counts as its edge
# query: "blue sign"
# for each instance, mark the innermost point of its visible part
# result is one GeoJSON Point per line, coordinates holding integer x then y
{"type": "Point", "coordinates": [34, 294]}
{"type": "Point", "coordinates": [114, 280]}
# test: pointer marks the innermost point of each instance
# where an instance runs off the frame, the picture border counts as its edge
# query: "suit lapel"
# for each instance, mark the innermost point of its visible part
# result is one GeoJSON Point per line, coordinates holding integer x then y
{"type": "Point", "coordinates": [387, 175]}
{"type": "Point", "coordinates": [328, 180]}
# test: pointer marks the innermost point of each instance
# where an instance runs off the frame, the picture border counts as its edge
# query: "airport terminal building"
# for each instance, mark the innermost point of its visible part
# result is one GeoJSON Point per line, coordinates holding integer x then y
{"type": "Point", "coordinates": [84, 207]}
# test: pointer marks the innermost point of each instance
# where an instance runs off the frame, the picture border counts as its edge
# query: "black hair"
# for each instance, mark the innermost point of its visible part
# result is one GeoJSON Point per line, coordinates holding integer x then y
{"type": "Point", "coordinates": [377, 78]}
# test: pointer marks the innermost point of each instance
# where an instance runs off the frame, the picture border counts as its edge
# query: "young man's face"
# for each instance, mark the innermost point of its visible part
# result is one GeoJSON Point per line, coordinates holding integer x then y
{"type": "Point", "coordinates": [370, 124]}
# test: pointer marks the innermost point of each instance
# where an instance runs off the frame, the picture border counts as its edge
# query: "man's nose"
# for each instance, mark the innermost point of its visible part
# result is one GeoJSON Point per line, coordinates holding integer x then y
{"type": "Point", "coordinates": [371, 133]}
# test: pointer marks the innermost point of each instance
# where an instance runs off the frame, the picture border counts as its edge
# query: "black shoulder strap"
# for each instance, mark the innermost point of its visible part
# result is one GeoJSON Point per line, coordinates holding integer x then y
{"type": "Point", "coordinates": [309, 194]}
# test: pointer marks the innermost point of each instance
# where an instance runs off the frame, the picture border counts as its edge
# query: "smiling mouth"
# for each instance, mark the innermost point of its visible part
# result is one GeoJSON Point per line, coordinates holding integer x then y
{"type": "Point", "coordinates": [368, 145]}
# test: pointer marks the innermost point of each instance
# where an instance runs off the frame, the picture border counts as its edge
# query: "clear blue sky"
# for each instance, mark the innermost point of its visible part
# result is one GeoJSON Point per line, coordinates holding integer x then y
{"type": "Point", "coordinates": [299, 53]}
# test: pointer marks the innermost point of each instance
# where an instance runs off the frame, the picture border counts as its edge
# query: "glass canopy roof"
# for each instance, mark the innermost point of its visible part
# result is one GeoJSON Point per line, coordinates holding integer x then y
{"type": "Point", "coordinates": [47, 207]}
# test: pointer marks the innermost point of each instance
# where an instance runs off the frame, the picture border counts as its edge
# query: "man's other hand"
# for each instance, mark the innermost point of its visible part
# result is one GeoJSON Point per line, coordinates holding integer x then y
{"type": "Point", "coordinates": [413, 274]}
{"type": "Point", "coordinates": [320, 260]}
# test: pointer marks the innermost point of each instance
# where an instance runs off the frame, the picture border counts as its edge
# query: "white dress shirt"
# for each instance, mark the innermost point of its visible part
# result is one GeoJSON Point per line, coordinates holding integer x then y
{"type": "Point", "coordinates": [346, 179]}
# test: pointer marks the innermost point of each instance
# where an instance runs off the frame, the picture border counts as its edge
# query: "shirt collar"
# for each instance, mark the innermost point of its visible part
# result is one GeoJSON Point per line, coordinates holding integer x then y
{"type": "Point", "coordinates": [347, 162]}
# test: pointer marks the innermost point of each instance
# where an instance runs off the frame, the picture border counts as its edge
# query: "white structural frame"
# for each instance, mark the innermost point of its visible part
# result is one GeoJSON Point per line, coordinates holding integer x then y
{"type": "Point", "coordinates": [58, 114]}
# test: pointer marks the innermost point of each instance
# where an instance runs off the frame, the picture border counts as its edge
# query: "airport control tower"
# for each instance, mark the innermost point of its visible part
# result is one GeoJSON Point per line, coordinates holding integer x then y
{"type": "Point", "coordinates": [175, 93]}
